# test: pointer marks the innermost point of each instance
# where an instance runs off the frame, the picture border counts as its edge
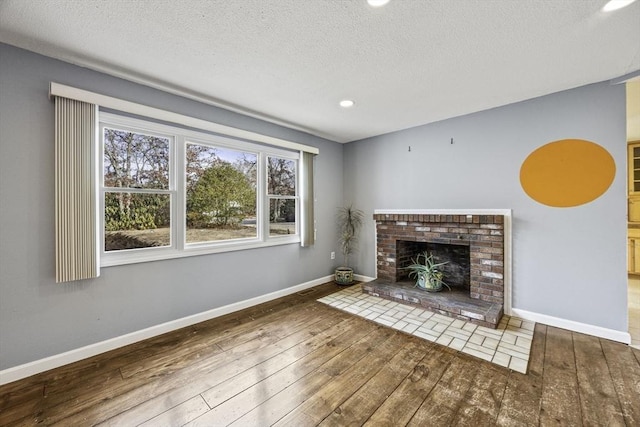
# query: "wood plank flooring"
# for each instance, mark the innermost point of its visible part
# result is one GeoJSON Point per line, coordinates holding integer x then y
{"type": "Point", "coordinates": [297, 362]}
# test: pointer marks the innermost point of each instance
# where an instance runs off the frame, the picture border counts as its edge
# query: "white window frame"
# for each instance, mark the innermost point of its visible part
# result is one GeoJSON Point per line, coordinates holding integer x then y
{"type": "Point", "coordinates": [179, 137]}
{"type": "Point", "coordinates": [268, 196]}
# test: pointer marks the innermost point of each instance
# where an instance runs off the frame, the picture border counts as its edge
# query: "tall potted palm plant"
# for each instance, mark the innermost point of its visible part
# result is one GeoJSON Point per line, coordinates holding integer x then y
{"type": "Point", "coordinates": [349, 221]}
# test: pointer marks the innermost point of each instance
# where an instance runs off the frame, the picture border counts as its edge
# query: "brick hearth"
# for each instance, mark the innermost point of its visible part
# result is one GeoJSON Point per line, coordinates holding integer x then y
{"type": "Point", "coordinates": [482, 234]}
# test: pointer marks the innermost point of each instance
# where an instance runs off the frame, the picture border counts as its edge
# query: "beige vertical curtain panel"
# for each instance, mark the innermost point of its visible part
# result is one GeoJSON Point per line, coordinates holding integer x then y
{"type": "Point", "coordinates": [307, 228]}
{"type": "Point", "coordinates": [75, 190]}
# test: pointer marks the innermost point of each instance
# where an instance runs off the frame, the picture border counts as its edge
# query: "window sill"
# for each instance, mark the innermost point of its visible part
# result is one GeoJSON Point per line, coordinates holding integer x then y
{"type": "Point", "coordinates": [159, 254]}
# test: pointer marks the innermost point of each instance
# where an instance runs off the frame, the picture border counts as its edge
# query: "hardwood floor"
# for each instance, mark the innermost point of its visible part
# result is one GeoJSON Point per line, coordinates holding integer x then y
{"type": "Point", "coordinates": [297, 362]}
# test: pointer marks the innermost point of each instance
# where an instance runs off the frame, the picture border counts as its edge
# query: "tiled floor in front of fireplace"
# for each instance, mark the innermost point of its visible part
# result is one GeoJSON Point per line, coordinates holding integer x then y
{"type": "Point", "coordinates": [509, 345]}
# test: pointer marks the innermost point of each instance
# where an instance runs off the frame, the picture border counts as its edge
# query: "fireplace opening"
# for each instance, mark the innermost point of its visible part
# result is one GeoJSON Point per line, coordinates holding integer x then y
{"type": "Point", "coordinates": [456, 271]}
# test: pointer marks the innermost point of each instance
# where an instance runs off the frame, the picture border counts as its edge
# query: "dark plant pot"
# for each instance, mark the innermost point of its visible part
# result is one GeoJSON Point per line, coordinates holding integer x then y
{"type": "Point", "coordinates": [343, 276]}
{"type": "Point", "coordinates": [436, 289]}
{"type": "Point", "coordinates": [423, 283]}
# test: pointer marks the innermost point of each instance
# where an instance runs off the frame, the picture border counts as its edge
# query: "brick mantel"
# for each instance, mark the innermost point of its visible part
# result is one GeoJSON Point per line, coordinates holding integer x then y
{"type": "Point", "coordinates": [485, 232]}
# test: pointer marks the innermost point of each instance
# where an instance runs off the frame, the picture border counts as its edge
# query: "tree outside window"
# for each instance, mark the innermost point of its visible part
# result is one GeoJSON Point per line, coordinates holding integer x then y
{"type": "Point", "coordinates": [221, 194]}
{"type": "Point", "coordinates": [136, 199]}
{"type": "Point", "coordinates": [281, 190]}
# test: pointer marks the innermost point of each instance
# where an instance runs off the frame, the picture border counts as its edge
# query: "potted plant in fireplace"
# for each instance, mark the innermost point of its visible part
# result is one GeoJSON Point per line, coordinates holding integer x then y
{"type": "Point", "coordinates": [428, 275]}
{"type": "Point", "coordinates": [350, 221]}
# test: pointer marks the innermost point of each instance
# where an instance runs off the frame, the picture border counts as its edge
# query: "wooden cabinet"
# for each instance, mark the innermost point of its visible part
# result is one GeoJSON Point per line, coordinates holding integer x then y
{"type": "Point", "coordinates": [633, 236]}
{"type": "Point", "coordinates": [634, 167]}
{"type": "Point", "coordinates": [633, 177]}
{"type": "Point", "coordinates": [634, 209]}
{"type": "Point", "coordinates": [633, 250]}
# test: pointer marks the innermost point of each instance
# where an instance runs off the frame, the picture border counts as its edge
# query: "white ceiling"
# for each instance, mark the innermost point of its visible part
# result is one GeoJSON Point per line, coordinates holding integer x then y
{"type": "Point", "coordinates": [291, 61]}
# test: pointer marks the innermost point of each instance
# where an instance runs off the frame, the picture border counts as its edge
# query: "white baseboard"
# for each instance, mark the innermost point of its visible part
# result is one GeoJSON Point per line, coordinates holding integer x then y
{"type": "Point", "coordinates": [51, 362]}
{"type": "Point", "coordinates": [597, 331]}
{"type": "Point", "coordinates": [361, 278]}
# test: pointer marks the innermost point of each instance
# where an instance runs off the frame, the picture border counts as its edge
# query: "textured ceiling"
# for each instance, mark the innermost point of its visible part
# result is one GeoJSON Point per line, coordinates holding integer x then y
{"type": "Point", "coordinates": [291, 61]}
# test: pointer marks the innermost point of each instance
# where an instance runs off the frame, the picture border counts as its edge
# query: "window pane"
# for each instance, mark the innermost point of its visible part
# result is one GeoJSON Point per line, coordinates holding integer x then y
{"type": "Point", "coordinates": [282, 217]}
{"type": "Point", "coordinates": [221, 194]}
{"type": "Point", "coordinates": [135, 160]}
{"type": "Point", "coordinates": [133, 220]}
{"type": "Point", "coordinates": [281, 176]}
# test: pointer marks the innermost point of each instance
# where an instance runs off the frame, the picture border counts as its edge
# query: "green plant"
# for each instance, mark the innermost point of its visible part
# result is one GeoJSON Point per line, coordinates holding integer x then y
{"type": "Point", "coordinates": [350, 221]}
{"type": "Point", "coordinates": [130, 211]}
{"type": "Point", "coordinates": [428, 276]}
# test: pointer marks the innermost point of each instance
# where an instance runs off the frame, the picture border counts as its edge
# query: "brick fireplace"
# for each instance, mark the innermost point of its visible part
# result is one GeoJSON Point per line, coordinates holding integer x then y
{"type": "Point", "coordinates": [473, 245]}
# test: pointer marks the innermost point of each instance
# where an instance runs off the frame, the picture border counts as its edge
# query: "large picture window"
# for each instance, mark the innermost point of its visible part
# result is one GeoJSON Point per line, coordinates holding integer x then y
{"type": "Point", "coordinates": [131, 190]}
{"type": "Point", "coordinates": [168, 192]}
{"type": "Point", "coordinates": [221, 194]}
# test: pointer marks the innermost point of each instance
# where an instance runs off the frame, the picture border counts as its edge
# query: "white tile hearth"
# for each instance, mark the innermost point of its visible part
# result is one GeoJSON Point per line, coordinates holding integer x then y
{"type": "Point", "coordinates": [508, 345]}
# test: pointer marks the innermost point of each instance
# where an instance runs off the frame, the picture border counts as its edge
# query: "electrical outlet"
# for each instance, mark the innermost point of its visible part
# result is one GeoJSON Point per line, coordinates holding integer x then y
{"type": "Point", "coordinates": [333, 255]}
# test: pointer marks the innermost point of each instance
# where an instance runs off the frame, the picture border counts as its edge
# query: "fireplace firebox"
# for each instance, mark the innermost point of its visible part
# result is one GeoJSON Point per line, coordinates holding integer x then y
{"type": "Point", "coordinates": [455, 258]}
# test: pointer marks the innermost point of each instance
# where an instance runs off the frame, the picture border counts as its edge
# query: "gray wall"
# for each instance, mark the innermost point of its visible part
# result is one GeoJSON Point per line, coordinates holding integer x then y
{"type": "Point", "coordinates": [39, 318]}
{"type": "Point", "coordinates": [568, 263]}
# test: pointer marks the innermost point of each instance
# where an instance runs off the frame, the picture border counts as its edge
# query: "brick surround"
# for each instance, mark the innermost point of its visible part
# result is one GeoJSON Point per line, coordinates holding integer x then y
{"type": "Point", "coordinates": [483, 234]}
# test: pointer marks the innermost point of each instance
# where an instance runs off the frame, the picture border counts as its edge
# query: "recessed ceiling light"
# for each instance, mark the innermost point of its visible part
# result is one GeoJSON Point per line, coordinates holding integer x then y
{"type": "Point", "coordinates": [377, 3]}
{"type": "Point", "coordinates": [346, 103]}
{"type": "Point", "coordinates": [616, 4]}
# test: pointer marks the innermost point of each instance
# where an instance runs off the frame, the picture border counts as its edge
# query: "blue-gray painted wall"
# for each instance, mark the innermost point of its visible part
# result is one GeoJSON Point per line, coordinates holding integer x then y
{"type": "Point", "coordinates": [568, 263]}
{"type": "Point", "coordinates": [39, 318]}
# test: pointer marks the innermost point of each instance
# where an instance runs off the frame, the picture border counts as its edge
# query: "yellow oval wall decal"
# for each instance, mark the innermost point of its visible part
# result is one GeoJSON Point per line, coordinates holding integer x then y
{"type": "Point", "coordinates": [568, 172]}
